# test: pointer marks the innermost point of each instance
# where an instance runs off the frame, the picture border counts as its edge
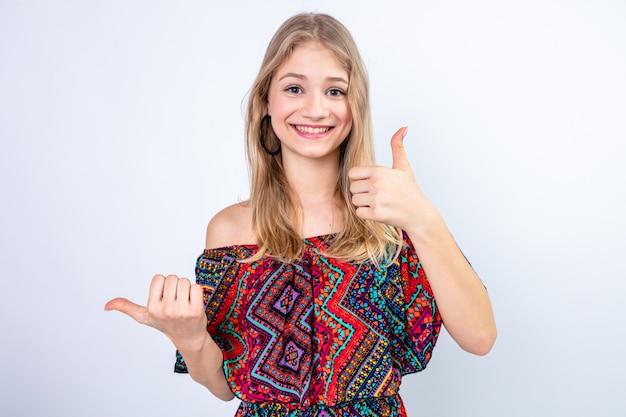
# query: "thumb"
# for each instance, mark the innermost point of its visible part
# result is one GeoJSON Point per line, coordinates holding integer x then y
{"type": "Point", "coordinates": [398, 154]}
{"type": "Point", "coordinates": [135, 311]}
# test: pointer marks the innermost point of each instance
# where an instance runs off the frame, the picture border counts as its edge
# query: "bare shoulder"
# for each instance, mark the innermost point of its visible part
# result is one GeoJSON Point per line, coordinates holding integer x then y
{"type": "Point", "coordinates": [230, 226]}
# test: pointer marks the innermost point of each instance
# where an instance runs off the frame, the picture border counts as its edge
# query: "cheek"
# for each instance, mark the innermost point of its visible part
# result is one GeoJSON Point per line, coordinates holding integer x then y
{"type": "Point", "coordinates": [276, 108]}
{"type": "Point", "coordinates": [272, 104]}
{"type": "Point", "coordinates": [347, 115]}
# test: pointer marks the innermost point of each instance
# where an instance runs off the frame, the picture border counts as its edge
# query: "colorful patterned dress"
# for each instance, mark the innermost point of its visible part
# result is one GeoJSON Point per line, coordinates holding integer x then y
{"type": "Point", "coordinates": [319, 337]}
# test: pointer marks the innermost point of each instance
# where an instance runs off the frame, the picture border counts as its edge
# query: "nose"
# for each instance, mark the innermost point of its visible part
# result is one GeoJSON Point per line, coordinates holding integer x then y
{"type": "Point", "coordinates": [315, 107]}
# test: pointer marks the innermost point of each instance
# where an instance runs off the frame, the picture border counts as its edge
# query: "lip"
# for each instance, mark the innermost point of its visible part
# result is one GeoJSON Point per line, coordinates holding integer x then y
{"type": "Point", "coordinates": [312, 131]}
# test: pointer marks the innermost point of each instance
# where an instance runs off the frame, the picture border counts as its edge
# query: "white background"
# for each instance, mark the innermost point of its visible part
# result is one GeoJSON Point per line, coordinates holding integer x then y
{"type": "Point", "coordinates": [121, 129]}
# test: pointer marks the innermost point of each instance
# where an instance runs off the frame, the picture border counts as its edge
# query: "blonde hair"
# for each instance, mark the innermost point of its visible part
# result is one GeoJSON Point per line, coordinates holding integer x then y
{"type": "Point", "coordinates": [276, 213]}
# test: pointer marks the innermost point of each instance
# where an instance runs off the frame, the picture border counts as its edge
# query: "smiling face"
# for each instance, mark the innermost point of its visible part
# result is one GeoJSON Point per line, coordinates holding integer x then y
{"type": "Point", "coordinates": [308, 103]}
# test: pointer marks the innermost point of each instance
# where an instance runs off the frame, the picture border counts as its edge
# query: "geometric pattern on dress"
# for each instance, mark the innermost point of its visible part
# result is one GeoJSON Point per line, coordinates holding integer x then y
{"type": "Point", "coordinates": [291, 355]}
{"type": "Point", "coordinates": [280, 324]}
{"type": "Point", "coordinates": [287, 300]}
{"type": "Point", "coordinates": [369, 407]}
{"type": "Point", "coordinates": [318, 336]}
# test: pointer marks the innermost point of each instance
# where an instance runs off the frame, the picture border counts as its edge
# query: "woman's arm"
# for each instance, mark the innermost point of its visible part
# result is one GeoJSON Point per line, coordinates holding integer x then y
{"type": "Point", "coordinates": [176, 308]}
{"type": "Point", "coordinates": [461, 297]}
{"type": "Point", "coordinates": [392, 196]}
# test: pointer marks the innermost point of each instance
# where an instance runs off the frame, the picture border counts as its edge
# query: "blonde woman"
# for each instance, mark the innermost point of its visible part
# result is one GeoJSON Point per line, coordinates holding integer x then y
{"type": "Point", "coordinates": [315, 296]}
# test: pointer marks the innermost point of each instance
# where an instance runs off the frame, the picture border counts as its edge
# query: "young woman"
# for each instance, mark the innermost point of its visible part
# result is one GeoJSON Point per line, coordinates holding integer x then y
{"type": "Point", "coordinates": [311, 299]}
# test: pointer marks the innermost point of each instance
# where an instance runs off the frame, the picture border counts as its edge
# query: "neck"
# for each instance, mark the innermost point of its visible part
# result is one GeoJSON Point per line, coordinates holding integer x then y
{"type": "Point", "coordinates": [315, 184]}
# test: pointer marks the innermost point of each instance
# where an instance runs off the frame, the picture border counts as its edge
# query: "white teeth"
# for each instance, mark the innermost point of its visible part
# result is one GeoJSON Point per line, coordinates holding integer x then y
{"type": "Point", "coordinates": [312, 130]}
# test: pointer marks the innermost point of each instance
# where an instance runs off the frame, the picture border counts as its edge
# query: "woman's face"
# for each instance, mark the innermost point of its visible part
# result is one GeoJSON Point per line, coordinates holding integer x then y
{"type": "Point", "coordinates": [308, 103]}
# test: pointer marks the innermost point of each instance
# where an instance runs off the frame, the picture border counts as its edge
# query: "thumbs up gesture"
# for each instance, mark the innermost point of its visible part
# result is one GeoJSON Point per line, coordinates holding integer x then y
{"type": "Point", "coordinates": [391, 195]}
{"type": "Point", "coordinates": [175, 307]}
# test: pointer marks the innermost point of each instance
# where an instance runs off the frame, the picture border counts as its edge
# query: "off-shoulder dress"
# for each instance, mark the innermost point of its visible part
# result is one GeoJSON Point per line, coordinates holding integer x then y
{"type": "Point", "coordinates": [321, 336]}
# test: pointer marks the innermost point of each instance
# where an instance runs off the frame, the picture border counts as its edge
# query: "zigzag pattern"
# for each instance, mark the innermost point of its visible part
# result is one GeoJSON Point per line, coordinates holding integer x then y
{"type": "Point", "coordinates": [318, 336]}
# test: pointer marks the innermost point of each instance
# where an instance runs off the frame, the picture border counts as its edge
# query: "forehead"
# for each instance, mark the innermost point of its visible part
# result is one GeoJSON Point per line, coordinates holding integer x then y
{"type": "Point", "coordinates": [312, 58]}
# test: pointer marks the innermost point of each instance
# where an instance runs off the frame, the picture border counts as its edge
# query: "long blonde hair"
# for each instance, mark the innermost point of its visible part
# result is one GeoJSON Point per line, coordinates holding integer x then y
{"type": "Point", "coordinates": [276, 213]}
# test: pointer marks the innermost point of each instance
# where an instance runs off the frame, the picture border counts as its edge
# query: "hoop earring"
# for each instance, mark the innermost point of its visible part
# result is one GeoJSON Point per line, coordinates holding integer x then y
{"type": "Point", "coordinates": [265, 148]}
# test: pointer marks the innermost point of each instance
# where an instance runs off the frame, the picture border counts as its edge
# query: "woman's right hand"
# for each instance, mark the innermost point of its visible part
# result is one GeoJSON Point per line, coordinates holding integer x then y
{"type": "Point", "coordinates": [175, 307]}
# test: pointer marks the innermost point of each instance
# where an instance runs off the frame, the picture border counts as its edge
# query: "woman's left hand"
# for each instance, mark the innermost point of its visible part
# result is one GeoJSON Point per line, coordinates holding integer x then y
{"type": "Point", "coordinates": [391, 195]}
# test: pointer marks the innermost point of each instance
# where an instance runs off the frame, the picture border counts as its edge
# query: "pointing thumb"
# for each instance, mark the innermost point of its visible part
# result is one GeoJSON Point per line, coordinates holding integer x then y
{"type": "Point", "coordinates": [135, 311]}
{"type": "Point", "coordinates": [398, 153]}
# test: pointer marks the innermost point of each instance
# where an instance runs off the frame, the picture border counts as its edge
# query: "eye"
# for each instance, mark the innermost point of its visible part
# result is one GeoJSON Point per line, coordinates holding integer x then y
{"type": "Point", "coordinates": [336, 92]}
{"type": "Point", "coordinates": [293, 89]}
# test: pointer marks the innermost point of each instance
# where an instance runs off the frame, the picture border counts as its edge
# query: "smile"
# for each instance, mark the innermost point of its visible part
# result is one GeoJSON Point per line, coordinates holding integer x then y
{"type": "Point", "coordinates": [311, 130]}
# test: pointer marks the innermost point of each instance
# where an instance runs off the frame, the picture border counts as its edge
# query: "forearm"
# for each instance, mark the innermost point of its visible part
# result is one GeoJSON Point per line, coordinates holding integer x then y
{"type": "Point", "coordinates": [460, 295]}
{"type": "Point", "coordinates": [205, 365]}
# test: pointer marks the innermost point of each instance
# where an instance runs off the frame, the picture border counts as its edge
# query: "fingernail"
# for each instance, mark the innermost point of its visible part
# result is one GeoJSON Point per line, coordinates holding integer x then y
{"type": "Point", "coordinates": [406, 129]}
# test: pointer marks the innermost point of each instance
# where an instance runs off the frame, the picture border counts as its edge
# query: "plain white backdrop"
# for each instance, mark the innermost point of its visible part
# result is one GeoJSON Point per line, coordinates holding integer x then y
{"type": "Point", "coordinates": [121, 128]}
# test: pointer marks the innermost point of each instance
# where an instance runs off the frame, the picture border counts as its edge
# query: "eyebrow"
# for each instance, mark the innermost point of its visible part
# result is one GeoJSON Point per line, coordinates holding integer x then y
{"type": "Point", "coordinates": [303, 77]}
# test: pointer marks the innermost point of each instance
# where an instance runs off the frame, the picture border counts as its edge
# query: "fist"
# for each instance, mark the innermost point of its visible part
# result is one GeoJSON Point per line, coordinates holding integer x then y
{"type": "Point", "coordinates": [175, 307]}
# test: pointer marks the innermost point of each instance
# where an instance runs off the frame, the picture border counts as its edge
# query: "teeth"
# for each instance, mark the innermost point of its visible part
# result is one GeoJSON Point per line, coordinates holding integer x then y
{"type": "Point", "coordinates": [312, 130]}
